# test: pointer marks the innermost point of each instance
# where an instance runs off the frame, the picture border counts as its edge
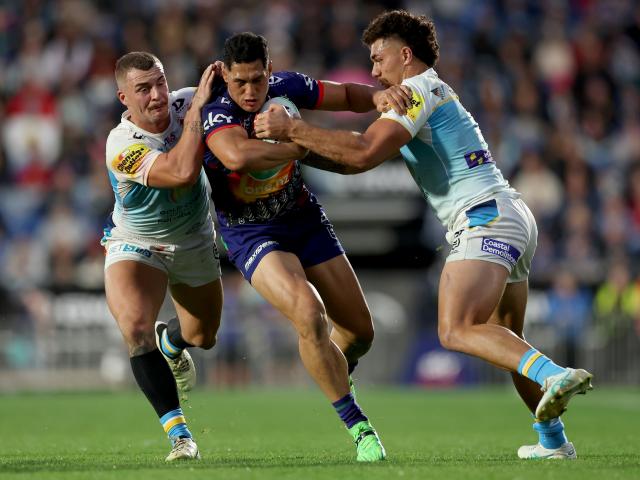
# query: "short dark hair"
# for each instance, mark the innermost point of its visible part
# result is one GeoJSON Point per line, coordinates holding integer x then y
{"type": "Point", "coordinates": [245, 47]}
{"type": "Point", "coordinates": [417, 31]}
{"type": "Point", "coordinates": [138, 60]}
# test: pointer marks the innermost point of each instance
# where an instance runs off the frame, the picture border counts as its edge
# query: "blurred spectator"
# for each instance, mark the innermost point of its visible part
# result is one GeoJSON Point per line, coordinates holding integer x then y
{"type": "Point", "coordinates": [569, 312]}
{"type": "Point", "coordinates": [616, 304]}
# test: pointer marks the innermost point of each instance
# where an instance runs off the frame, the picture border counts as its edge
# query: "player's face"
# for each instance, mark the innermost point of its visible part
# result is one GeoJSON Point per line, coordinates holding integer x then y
{"type": "Point", "coordinates": [388, 61]}
{"type": "Point", "coordinates": [146, 95]}
{"type": "Point", "coordinates": [248, 84]}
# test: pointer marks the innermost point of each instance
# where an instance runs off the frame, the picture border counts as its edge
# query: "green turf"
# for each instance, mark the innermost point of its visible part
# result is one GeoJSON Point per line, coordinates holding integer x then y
{"type": "Point", "coordinates": [293, 434]}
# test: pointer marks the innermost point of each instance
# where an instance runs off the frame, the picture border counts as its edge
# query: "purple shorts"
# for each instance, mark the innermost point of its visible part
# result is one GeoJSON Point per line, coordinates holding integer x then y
{"type": "Point", "coordinates": [307, 233]}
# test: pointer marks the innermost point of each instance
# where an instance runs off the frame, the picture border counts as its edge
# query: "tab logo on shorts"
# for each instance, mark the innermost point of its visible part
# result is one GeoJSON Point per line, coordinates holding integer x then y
{"type": "Point", "coordinates": [129, 160]}
{"type": "Point", "coordinates": [501, 249]}
{"type": "Point", "coordinates": [416, 105]}
{"type": "Point", "coordinates": [479, 157]}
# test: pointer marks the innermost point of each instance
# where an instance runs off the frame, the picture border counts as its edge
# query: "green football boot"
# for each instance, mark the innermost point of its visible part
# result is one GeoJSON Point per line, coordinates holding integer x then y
{"type": "Point", "coordinates": [368, 445]}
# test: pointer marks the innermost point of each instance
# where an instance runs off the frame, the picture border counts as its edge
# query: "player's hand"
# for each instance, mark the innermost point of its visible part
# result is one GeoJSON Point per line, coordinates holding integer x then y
{"type": "Point", "coordinates": [396, 98]}
{"type": "Point", "coordinates": [217, 68]}
{"type": "Point", "coordinates": [273, 124]}
{"type": "Point", "coordinates": [203, 92]}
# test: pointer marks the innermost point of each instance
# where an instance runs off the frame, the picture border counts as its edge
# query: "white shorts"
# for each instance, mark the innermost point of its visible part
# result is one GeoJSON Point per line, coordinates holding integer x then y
{"type": "Point", "coordinates": [194, 262]}
{"type": "Point", "coordinates": [501, 230]}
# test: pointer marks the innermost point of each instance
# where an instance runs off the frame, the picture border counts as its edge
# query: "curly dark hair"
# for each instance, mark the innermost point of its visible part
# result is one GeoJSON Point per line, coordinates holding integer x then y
{"type": "Point", "coordinates": [417, 31]}
{"type": "Point", "coordinates": [245, 47]}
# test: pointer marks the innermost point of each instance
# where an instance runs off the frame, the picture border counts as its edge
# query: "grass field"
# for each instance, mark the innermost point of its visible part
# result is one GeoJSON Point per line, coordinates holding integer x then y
{"type": "Point", "coordinates": [294, 434]}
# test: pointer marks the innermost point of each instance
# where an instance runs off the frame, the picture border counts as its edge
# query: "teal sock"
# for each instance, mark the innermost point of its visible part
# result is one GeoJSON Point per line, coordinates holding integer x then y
{"type": "Point", "coordinates": [551, 433]}
{"type": "Point", "coordinates": [537, 367]}
{"type": "Point", "coordinates": [175, 425]}
{"type": "Point", "coordinates": [168, 348]}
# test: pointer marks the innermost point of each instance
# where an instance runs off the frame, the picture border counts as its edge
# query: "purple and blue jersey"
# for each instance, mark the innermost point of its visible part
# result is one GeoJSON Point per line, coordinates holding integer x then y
{"type": "Point", "coordinates": [260, 212]}
{"type": "Point", "coordinates": [257, 197]}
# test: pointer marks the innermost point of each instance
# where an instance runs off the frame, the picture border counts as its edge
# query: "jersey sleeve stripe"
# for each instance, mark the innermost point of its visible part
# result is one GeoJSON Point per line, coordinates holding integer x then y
{"type": "Point", "coordinates": [221, 128]}
{"type": "Point", "coordinates": [320, 94]}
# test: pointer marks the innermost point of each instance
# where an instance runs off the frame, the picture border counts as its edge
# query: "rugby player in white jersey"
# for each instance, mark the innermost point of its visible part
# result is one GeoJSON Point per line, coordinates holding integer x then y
{"type": "Point", "coordinates": [161, 234]}
{"type": "Point", "coordinates": [484, 284]}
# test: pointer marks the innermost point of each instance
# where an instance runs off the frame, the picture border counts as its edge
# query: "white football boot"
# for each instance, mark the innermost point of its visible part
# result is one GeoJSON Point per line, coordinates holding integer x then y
{"type": "Point", "coordinates": [558, 390]}
{"type": "Point", "coordinates": [566, 451]}
{"type": "Point", "coordinates": [183, 449]}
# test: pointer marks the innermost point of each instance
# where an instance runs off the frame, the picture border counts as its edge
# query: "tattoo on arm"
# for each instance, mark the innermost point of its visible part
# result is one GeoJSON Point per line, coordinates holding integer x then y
{"type": "Point", "coordinates": [194, 127]}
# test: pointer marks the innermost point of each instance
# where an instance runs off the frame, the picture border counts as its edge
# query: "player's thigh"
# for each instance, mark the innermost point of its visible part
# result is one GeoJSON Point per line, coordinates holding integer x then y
{"type": "Point", "coordinates": [135, 292]}
{"type": "Point", "coordinates": [469, 292]}
{"type": "Point", "coordinates": [511, 309]}
{"type": "Point", "coordinates": [342, 296]}
{"type": "Point", "coordinates": [281, 280]}
{"type": "Point", "coordinates": [198, 308]}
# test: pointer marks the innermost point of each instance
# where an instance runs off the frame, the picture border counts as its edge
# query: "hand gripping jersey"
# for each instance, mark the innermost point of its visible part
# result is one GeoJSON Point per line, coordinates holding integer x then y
{"type": "Point", "coordinates": [257, 197]}
{"type": "Point", "coordinates": [142, 211]}
{"type": "Point", "coordinates": [448, 157]}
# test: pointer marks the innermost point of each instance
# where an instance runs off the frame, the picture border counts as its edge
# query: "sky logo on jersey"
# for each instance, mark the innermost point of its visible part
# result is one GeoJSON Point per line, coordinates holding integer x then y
{"type": "Point", "coordinates": [479, 157]}
{"type": "Point", "coordinates": [416, 105]}
{"type": "Point", "coordinates": [501, 249]}
{"type": "Point", "coordinates": [215, 119]}
{"type": "Point", "coordinates": [129, 160]}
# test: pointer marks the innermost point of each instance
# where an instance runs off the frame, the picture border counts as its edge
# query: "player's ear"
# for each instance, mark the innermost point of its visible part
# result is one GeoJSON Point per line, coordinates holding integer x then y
{"type": "Point", "coordinates": [225, 73]}
{"type": "Point", "coordinates": [407, 55]}
{"type": "Point", "coordinates": [269, 66]}
{"type": "Point", "coordinates": [122, 97]}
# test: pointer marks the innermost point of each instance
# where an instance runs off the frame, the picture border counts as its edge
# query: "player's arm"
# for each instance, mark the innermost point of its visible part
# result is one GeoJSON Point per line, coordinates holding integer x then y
{"type": "Point", "coordinates": [357, 151]}
{"type": "Point", "coordinates": [239, 153]}
{"type": "Point", "coordinates": [357, 97]}
{"type": "Point", "coordinates": [181, 165]}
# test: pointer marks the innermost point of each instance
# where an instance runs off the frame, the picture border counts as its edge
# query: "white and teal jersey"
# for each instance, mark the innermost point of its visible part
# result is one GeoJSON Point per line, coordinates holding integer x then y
{"type": "Point", "coordinates": [447, 156]}
{"type": "Point", "coordinates": [160, 213]}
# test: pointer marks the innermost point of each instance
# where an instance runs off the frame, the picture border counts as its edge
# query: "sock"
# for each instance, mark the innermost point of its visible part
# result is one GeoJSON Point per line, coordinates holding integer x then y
{"type": "Point", "coordinates": [352, 366]}
{"type": "Point", "coordinates": [551, 433]}
{"type": "Point", "coordinates": [349, 411]}
{"type": "Point", "coordinates": [171, 339]}
{"type": "Point", "coordinates": [156, 381]}
{"type": "Point", "coordinates": [537, 367]}
{"type": "Point", "coordinates": [175, 425]}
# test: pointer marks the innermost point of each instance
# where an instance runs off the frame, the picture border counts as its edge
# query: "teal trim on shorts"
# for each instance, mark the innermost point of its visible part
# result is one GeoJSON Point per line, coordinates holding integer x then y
{"type": "Point", "coordinates": [482, 214]}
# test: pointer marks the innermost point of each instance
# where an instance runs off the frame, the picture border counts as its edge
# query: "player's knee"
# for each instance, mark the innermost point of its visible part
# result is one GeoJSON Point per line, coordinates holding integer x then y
{"type": "Point", "coordinates": [312, 326]}
{"type": "Point", "coordinates": [137, 332]}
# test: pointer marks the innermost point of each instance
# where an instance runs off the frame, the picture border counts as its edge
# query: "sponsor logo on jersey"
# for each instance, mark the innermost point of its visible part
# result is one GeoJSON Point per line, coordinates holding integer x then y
{"type": "Point", "coordinates": [416, 106]}
{"type": "Point", "coordinates": [501, 249]}
{"type": "Point", "coordinates": [217, 119]}
{"type": "Point", "coordinates": [129, 160]}
{"type": "Point", "coordinates": [274, 80]}
{"type": "Point", "coordinates": [256, 252]}
{"type": "Point", "coordinates": [477, 158]}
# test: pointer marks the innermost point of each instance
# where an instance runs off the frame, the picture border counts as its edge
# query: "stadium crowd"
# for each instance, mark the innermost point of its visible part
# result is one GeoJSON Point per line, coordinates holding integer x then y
{"type": "Point", "coordinates": [554, 86]}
